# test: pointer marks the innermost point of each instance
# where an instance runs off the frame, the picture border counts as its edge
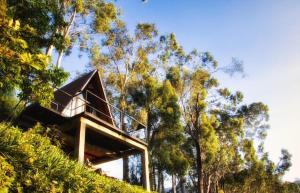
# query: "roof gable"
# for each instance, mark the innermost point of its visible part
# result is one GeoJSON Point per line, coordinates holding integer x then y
{"type": "Point", "coordinates": [91, 87]}
{"type": "Point", "coordinates": [80, 83]}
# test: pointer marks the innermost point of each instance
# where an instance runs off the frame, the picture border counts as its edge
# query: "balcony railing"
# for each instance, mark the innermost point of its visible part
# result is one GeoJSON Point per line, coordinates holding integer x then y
{"type": "Point", "coordinates": [81, 103]}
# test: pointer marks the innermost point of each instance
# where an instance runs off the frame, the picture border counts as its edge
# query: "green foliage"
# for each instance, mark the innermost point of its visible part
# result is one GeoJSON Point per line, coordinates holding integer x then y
{"type": "Point", "coordinates": [284, 162]}
{"type": "Point", "coordinates": [9, 107]}
{"type": "Point", "coordinates": [23, 66]}
{"type": "Point", "coordinates": [292, 187]}
{"type": "Point", "coordinates": [221, 129]}
{"type": "Point", "coordinates": [7, 175]}
{"type": "Point", "coordinates": [129, 64]}
{"type": "Point", "coordinates": [261, 176]}
{"type": "Point", "coordinates": [194, 125]}
{"type": "Point", "coordinates": [62, 24]}
{"type": "Point", "coordinates": [3, 9]}
{"type": "Point", "coordinates": [169, 138]}
{"type": "Point", "coordinates": [145, 31]}
{"type": "Point", "coordinates": [123, 59]}
{"type": "Point", "coordinates": [105, 13]}
{"type": "Point", "coordinates": [30, 163]}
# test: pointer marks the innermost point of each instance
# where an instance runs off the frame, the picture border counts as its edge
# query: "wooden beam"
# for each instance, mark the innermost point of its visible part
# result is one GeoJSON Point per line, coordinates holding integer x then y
{"type": "Point", "coordinates": [69, 125]}
{"type": "Point", "coordinates": [115, 157]}
{"type": "Point", "coordinates": [114, 135]}
{"type": "Point", "coordinates": [98, 162]}
{"type": "Point", "coordinates": [123, 139]}
{"type": "Point", "coordinates": [89, 149]}
{"type": "Point", "coordinates": [80, 142]}
{"type": "Point", "coordinates": [145, 170]}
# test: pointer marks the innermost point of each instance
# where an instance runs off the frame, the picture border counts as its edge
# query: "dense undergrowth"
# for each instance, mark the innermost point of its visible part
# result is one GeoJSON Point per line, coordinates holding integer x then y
{"type": "Point", "coordinates": [30, 163]}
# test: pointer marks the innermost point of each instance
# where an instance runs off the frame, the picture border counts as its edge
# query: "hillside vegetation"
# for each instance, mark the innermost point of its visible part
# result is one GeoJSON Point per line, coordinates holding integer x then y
{"type": "Point", "coordinates": [30, 163]}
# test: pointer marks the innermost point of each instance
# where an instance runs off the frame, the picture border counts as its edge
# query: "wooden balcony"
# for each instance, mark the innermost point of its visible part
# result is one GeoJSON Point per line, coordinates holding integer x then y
{"type": "Point", "coordinates": [115, 119]}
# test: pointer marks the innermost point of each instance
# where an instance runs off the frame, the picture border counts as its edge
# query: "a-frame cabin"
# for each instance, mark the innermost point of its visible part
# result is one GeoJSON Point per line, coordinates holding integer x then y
{"type": "Point", "coordinates": [89, 125]}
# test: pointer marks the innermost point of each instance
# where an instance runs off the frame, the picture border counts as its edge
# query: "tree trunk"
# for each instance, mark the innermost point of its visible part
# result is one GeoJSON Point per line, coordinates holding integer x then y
{"type": "Point", "coordinates": [152, 177]}
{"type": "Point", "coordinates": [159, 182]}
{"type": "Point", "coordinates": [200, 185]}
{"type": "Point", "coordinates": [173, 183]}
{"type": "Point", "coordinates": [59, 59]}
{"type": "Point", "coordinates": [208, 184]}
{"type": "Point", "coordinates": [162, 182]}
{"type": "Point", "coordinates": [126, 169]}
{"type": "Point", "coordinates": [49, 50]}
{"type": "Point", "coordinates": [217, 186]}
{"type": "Point", "coordinates": [125, 159]}
{"type": "Point", "coordinates": [65, 33]}
{"type": "Point", "coordinates": [182, 184]}
{"type": "Point", "coordinates": [148, 131]}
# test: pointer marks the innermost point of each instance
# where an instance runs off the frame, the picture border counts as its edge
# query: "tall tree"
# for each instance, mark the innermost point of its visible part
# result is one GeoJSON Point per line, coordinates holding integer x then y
{"type": "Point", "coordinates": [62, 24]}
{"type": "Point", "coordinates": [157, 98]}
{"type": "Point", "coordinates": [215, 120]}
{"type": "Point", "coordinates": [124, 61]}
{"type": "Point", "coordinates": [192, 86]}
{"type": "Point", "coordinates": [169, 138]}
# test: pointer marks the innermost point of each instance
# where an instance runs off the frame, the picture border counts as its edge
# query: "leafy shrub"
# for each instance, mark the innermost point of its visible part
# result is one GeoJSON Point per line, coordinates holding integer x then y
{"type": "Point", "coordinates": [30, 163]}
{"type": "Point", "coordinates": [7, 175]}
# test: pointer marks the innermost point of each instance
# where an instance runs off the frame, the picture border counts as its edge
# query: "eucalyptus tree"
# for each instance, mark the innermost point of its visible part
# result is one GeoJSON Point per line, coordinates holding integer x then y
{"type": "Point", "coordinates": [169, 138]}
{"type": "Point", "coordinates": [157, 97]}
{"type": "Point", "coordinates": [261, 175]}
{"type": "Point", "coordinates": [216, 121]}
{"type": "Point", "coordinates": [131, 67]}
{"type": "Point", "coordinates": [123, 60]}
{"type": "Point", "coordinates": [62, 24]}
{"type": "Point", "coordinates": [199, 123]}
{"type": "Point", "coordinates": [147, 99]}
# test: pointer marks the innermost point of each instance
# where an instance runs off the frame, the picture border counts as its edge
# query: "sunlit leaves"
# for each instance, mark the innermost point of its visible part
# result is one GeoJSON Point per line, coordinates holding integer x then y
{"type": "Point", "coordinates": [60, 25]}
{"type": "Point", "coordinates": [29, 162]}
{"type": "Point", "coordinates": [105, 13]}
{"type": "Point", "coordinates": [170, 138]}
{"type": "Point", "coordinates": [173, 75]}
{"type": "Point", "coordinates": [25, 68]}
{"type": "Point", "coordinates": [145, 31]}
{"type": "Point", "coordinates": [79, 6]}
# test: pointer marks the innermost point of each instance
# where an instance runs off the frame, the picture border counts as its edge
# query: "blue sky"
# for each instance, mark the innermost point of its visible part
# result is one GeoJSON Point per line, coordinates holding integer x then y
{"type": "Point", "coordinates": [265, 34]}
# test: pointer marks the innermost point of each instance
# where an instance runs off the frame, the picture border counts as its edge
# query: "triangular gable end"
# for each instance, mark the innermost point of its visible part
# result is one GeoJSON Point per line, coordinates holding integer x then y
{"type": "Point", "coordinates": [89, 88]}
{"type": "Point", "coordinates": [96, 95]}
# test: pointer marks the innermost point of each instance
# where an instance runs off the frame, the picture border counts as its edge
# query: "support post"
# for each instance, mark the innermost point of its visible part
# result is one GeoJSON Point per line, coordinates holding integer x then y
{"type": "Point", "coordinates": [80, 142]}
{"type": "Point", "coordinates": [145, 170]}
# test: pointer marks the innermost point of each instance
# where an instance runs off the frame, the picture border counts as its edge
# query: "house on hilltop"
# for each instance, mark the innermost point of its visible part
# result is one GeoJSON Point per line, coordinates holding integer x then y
{"type": "Point", "coordinates": [90, 125]}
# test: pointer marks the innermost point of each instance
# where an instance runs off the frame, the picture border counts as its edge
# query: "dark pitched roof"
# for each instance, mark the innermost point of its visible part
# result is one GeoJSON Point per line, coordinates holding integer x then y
{"type": "Point", "coordinates": [65, 94]}
{"type": "Point", "coordinates": [79, 84]}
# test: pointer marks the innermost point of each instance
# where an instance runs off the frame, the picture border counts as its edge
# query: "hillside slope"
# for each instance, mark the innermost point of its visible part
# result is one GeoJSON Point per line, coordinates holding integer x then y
{"type": "Point", "coordinates": [30, 163]}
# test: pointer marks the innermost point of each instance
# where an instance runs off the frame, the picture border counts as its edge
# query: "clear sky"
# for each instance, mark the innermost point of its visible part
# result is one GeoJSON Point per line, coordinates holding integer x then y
{"type": "Point", "coordinates": [265, 34]}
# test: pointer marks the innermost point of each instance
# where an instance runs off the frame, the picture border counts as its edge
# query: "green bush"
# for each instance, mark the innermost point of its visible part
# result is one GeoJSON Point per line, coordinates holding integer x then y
{"type": "Point", "coordinates": [7, 175]}
{"type": "Point", "coordinates": [30, 163]}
